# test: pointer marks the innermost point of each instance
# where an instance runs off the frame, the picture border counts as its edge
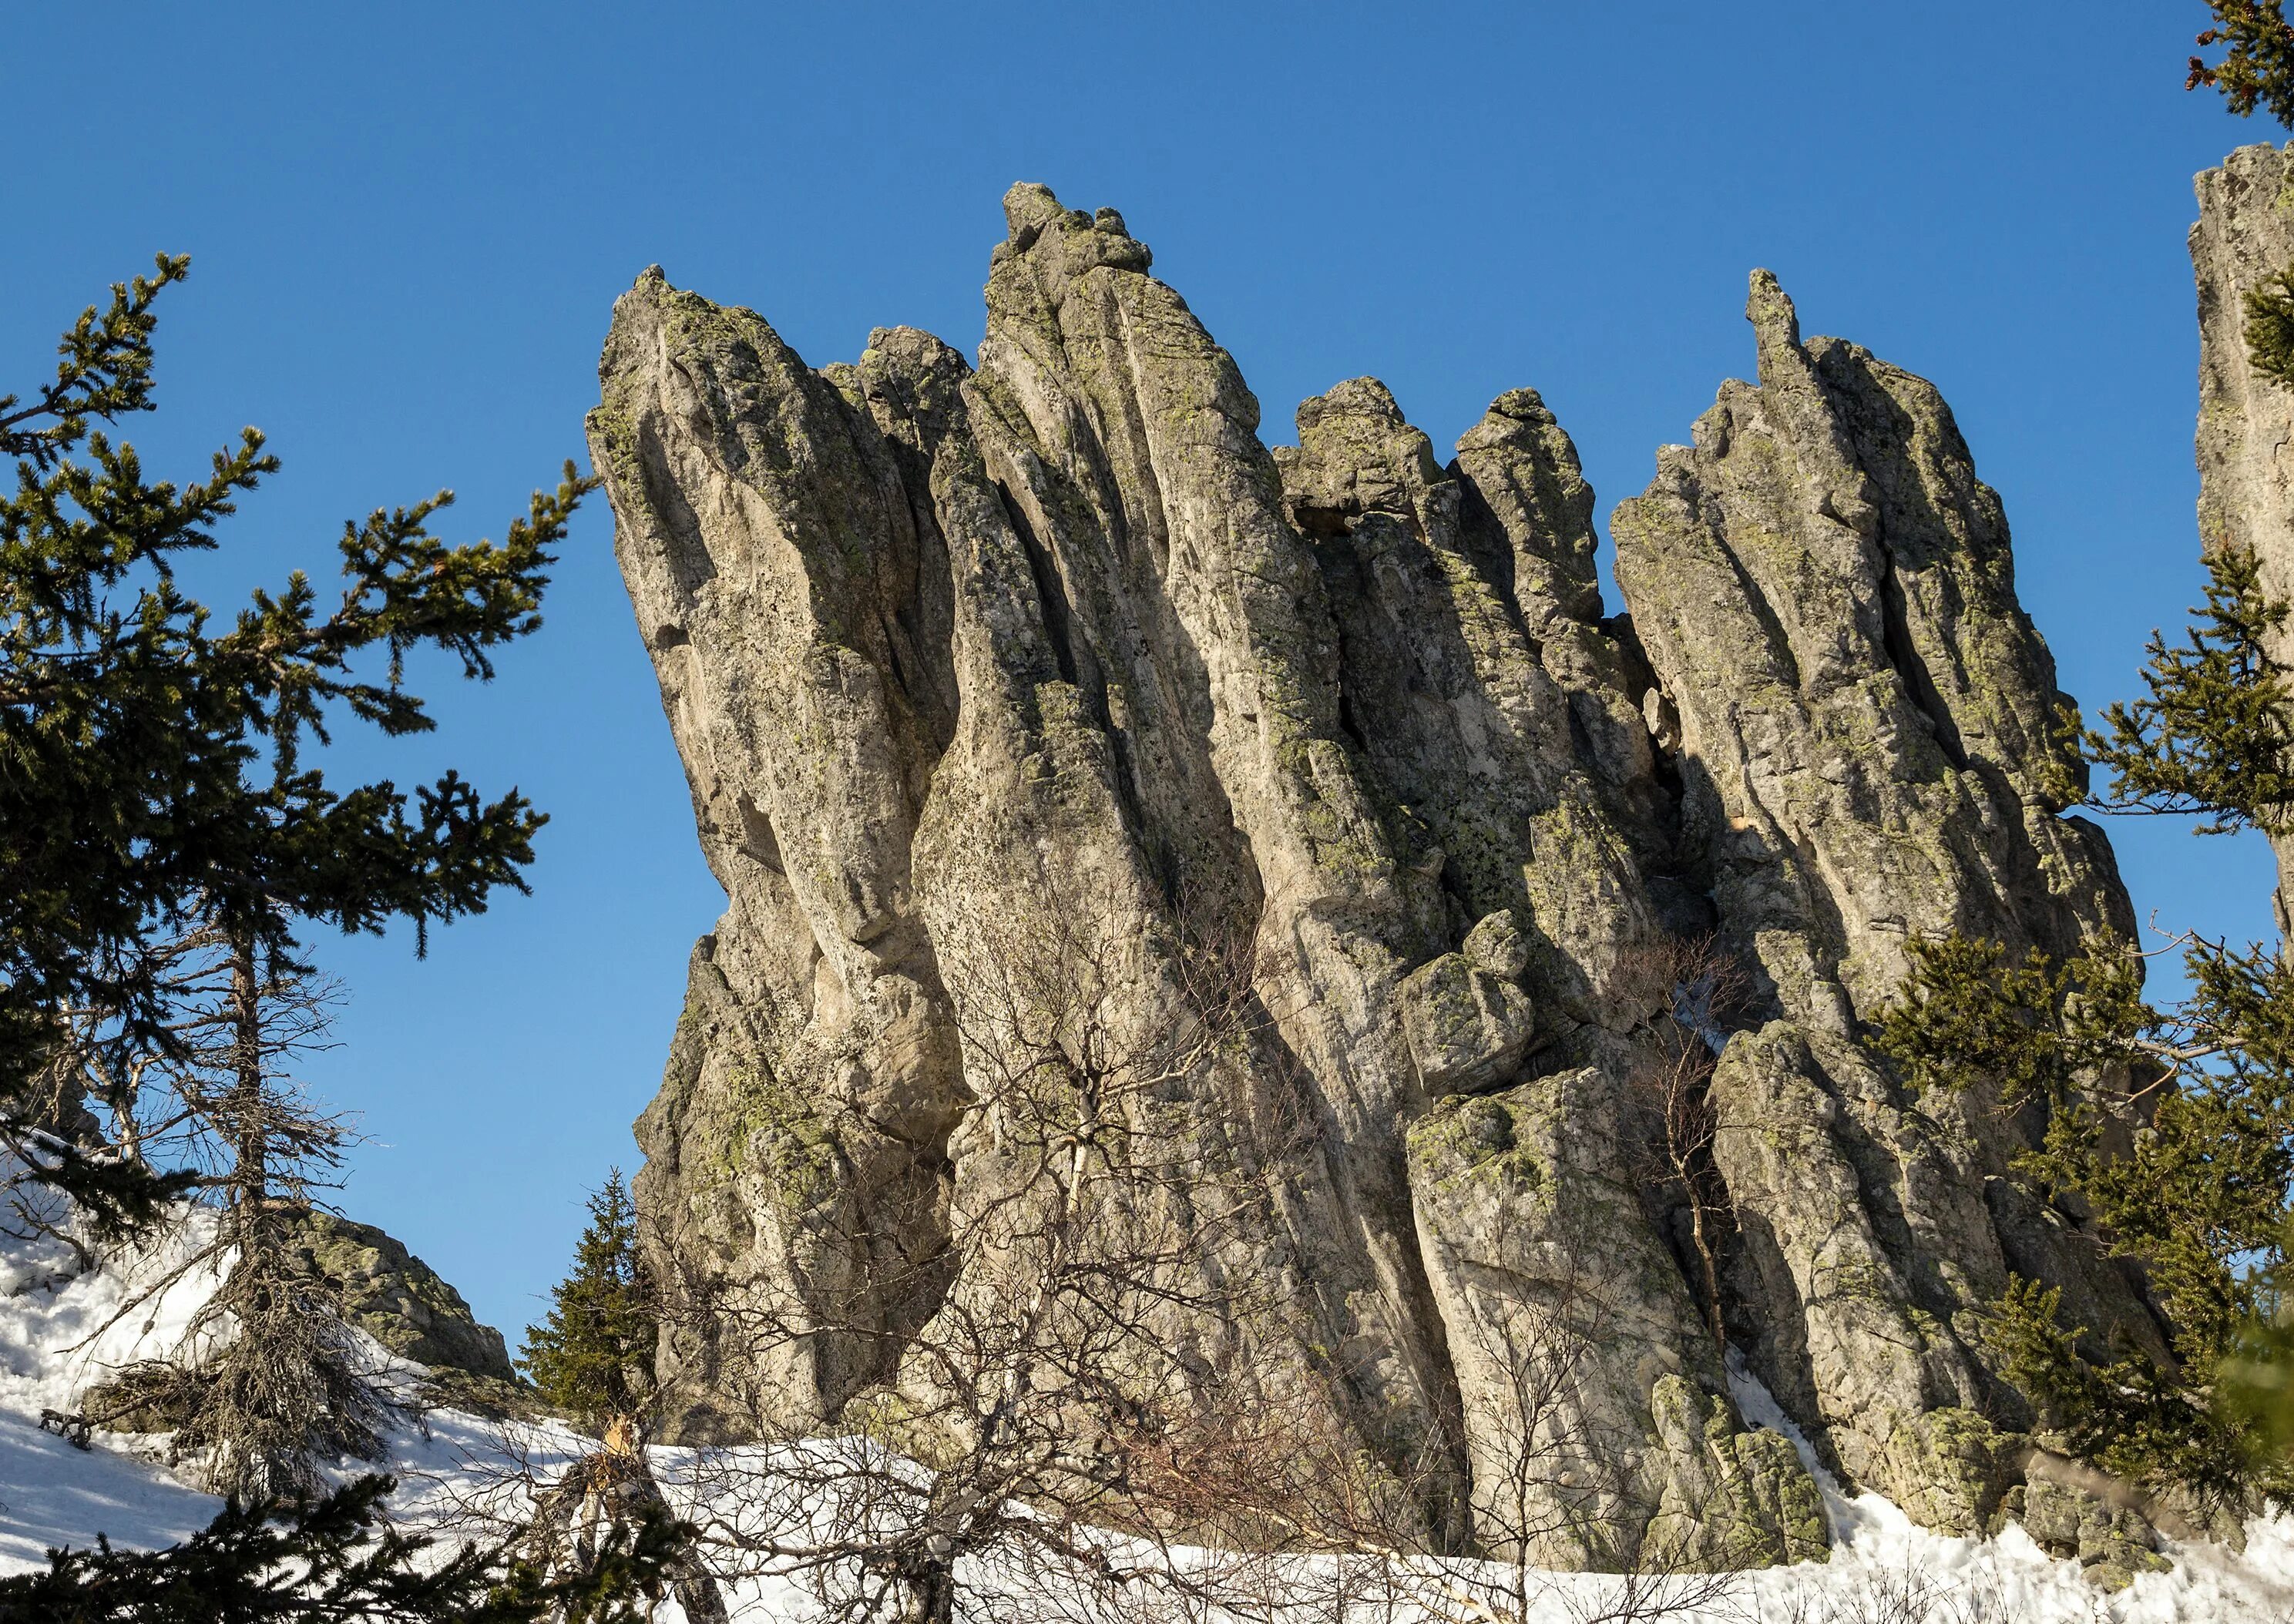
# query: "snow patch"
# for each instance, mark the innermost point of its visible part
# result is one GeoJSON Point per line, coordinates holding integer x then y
{"type": "Point", "coordinates": [65, 1324]}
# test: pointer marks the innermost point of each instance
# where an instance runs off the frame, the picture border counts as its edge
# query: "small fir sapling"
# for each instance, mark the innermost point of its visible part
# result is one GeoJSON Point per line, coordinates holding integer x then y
{"type": "Point", "coordinates": [592, 1355]}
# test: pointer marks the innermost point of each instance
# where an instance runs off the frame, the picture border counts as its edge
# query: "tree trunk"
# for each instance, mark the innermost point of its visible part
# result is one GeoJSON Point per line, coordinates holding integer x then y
{"type": "Point", "coordinates": [930, 1594]}
{"type": "Point", "coordinates": [1704, 1244]}
{"type": "Point", "coordinates": [251, 1171]}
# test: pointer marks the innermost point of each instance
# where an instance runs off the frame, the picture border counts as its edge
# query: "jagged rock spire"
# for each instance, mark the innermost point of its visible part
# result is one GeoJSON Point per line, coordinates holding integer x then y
{"type": "Point", "coordinates": [939, 643]}
{"type": "Point", "coordinates": [2244, 237]}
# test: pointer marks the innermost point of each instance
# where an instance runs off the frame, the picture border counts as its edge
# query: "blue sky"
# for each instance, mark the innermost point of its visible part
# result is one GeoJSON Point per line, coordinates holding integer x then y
{"type": "Point", "coordinates": [408, 227]}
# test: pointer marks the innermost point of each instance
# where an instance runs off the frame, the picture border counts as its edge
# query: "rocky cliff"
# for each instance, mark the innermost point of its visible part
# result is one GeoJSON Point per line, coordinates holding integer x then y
{"type": "Point", "coordinates": [2244, 237]}
{"type": "Point", "coordinates": [939, 642]}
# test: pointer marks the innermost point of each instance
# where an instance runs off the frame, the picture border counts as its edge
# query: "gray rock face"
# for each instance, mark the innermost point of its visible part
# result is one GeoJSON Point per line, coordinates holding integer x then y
{"type": "Point", "coordinates": [398, 1299]}
{"type": "Point", "coordinates": [1868, 754]}
{"type": "Point", "coordinates": [1468, 1028]}
{"type": "Point", "coordinates": [1578, 1348]}
{"type": "Point", "coordinates": [938, 643]}
{"type": "Point", "coordinates": [2244, 236]}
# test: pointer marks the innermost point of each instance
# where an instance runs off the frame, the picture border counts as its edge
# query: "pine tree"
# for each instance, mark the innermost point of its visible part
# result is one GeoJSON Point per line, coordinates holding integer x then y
{"type": "Point", "coordinates": [2214, 734]}
{"type": "Point", "coordinates": [2257, 69]}
{"type": "Point", "coordinates": [2174, 1131]}
{"type": "Point", "coordinates": [592, 1356]}
{"type": "Point", "coordinates": [335, 1559]}
{"type": "Point", "coordinates": [154, 785]}
{"type": "Point", "coordinates": [592, 1359]}
{"type": "Point", "coordinates": [151, 767]}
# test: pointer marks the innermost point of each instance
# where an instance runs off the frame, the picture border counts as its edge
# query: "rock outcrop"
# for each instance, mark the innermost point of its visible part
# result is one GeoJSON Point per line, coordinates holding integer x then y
{"type": "Point", "coordinates": [383, 1290]}
{"type": "Point", "coordinates": [938, 643]}
{"type": "Point", "coordinates": [1869, 753]}
{"type": "Point", "coordinates": [2244, 239]}
{"type": "Point", "coordinates": [398, 1299]}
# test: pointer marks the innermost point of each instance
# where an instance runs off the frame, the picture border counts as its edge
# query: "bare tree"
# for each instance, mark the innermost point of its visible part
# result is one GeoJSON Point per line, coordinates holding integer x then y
{"type": "Point", "coordinates": [1095, 1334]}
{"type": "Point", "coordinates": [269, 1379]}
{"type": "Point", "coordinates": [1705, 991]}
{"type": "Point", "coordinates": [1095, 1405]}
{"type": "Point", "coordinates": [1562, 1525]}
{"type": "Point", "coordinates": [278, 1379]}
{"type": "Point", "coordinates": [1907, 1590]}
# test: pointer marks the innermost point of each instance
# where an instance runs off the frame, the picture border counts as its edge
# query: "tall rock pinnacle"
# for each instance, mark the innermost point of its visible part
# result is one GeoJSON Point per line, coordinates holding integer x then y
{"type": "Point", "coordinates": [2244, 237]}
{"type": "Point", "coordinates": [948, 649]}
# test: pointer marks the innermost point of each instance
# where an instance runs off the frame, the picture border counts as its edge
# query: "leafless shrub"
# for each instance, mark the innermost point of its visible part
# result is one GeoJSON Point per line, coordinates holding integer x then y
{"type": "Point", "coordinates": [1058, 1420]}
{"type": "Point", "coordinates": [1905, 1591]}
{"type": "Point", "coordinates": [1097, 1406]}
{"type": "Point", "coordinates": [269, 1379]}
{"type": "Point", "coordinates": [1705, 990]}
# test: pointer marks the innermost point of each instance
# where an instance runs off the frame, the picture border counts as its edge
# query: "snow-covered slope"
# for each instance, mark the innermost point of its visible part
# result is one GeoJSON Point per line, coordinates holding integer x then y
{"type": "Point", "coordinates": [64, 1325]}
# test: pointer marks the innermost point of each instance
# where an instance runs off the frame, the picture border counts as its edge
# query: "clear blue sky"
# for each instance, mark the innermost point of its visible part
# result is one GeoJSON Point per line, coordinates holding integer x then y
{"type": "Point", "coordinates": [408, 225]}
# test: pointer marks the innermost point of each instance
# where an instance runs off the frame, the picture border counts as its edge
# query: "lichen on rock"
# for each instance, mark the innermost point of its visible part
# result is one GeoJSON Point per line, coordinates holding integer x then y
{"type": "Point", "coordinates": [945, 644]}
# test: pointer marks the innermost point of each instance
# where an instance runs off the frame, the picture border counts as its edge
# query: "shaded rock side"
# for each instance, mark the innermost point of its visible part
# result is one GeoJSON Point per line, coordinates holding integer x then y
{"type": "Point", "coordinates": [946, 649]}
{"type": "Point", "coordinates": [1597, 1409]}
{"type": "Point", "coordinates": [2244, 236]}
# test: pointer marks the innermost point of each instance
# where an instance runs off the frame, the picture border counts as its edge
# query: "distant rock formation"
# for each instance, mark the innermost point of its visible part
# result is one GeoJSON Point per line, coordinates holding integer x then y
{"type": "Point", "coordinates": [927, 634]}
{"type": "Point", "coordinates": [384, 1290]}
{"type": "Point", "coordinates": [398, 1299]}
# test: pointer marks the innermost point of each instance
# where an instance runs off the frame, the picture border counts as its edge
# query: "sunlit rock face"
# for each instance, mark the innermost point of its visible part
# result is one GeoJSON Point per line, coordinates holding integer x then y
{"type": "Point", "coordinates": [946, 645]}
{"type": "Point", "coordinates": [2244, 239]}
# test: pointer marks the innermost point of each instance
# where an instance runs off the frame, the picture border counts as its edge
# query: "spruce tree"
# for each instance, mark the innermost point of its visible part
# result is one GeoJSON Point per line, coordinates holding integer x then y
{"type": "Point", "coordinates": [2214, 734]}
{"type": "Point", "coordinates": [592, 1359]}
{"type": "Point", "coordinates": [2173, 1131]}
{"type": "Point", "coordinates": [592, 1356]}
{"type": "Point", "coordinates": [151, 752]}
{"type": "Point", "coordinates": [155, 786]}
{"type": "Point", "coordinates": [2257, 67]}
{"type": "Point", "coordinates": [2170, 1130]}
{"type": "Point", "coordinates": [336, 1559]}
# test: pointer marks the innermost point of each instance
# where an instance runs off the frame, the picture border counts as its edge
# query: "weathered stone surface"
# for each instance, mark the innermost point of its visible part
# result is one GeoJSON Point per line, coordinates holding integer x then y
{"type": "Point", "coordinates": [2243, 238]}
{"type": "Point", "coordinates": [1598, 1419]}
{"type": "Point", "coordinates": [1824, 592]}
{"type": "Point", "coordinates": [1869, 754]}
{"type": "Point", "coordinates": [944, 646]}
{"type": "Point", "coordinates": [2112, 1543]}
{"type": "Point", "coordinates": [398, 1299]}
{"type": "Point", "coordinates": [1468, 1028]}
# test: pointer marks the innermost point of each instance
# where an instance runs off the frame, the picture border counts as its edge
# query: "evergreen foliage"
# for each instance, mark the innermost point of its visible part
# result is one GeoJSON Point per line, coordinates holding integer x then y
{"type": "Point", "coordinates": [290, 1388]}
{"type": "Point", "coordinates": [2259, 1383]}
{"type": "Point", "coordinates": [2214, 734]}
{"type": "Point", "coordinates": [2257, 69]}
{"type": "Point", "coordinates": [2270, 328]}
{"type": "Point", "coordinates": [333, 1560]}
{"type": "Point", "coordinates": [2174, 1131]}
{"type": "Point", "coordinates": [150, 765]}
{"type": "Point", "coordinates": [592, 1356]}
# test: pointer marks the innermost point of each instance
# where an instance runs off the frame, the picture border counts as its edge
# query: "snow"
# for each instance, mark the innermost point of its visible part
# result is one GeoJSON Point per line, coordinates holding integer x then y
{"type": "Point", "coordinates": [64, 1325]}
{"type": "Point", "coordinates": [57, 1494]}
{"type": "Point", "coordinates": [1876, 1546]}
